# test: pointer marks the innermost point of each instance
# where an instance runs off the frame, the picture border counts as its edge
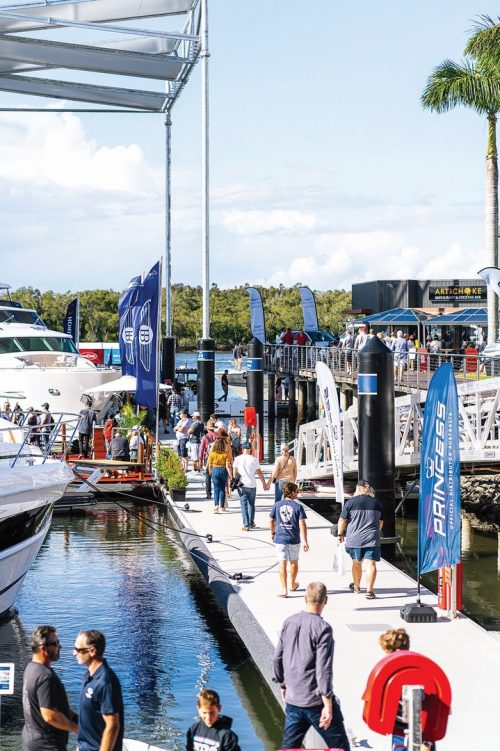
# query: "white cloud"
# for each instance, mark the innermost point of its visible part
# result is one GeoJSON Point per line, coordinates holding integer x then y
{"type": "Point", "coordinates": [277, 221]}
{"type": "Point", "coordinates": [47, 149]}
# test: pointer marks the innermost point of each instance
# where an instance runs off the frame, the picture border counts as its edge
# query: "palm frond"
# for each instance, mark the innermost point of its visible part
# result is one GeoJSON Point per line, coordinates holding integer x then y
{"type": "Point", "coordinates": [452, 84]}
{"type": "Point", "coordinates": [485, 40]}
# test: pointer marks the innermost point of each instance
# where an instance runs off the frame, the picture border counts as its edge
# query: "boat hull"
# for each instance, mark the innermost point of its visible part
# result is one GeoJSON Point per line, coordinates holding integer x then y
{"type": "Point", "coordinates": [27, 497]}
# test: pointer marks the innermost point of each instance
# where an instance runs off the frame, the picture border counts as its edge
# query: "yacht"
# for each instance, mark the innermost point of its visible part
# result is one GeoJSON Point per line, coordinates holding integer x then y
{"type": "Point", "coordinates": [38, 365]}
{"type": "Point", "coordinates": [30, 484]}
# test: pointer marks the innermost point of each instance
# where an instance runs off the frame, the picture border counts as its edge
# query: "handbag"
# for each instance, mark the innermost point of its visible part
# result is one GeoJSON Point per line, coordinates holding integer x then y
{"type": "Point", "coordinates": [236, 482]}
{"type": "Point", "coordinates": [275, 479]}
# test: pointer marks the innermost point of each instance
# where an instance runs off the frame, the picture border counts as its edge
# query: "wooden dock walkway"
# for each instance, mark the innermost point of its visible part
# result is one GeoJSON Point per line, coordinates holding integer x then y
{"type": "Point", "coordinates": [469, 655]}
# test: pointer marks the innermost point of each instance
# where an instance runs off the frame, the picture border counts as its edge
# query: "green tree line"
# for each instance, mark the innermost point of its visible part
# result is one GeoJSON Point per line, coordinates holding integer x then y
{"type": "Point", "coordinates": [229, 312]}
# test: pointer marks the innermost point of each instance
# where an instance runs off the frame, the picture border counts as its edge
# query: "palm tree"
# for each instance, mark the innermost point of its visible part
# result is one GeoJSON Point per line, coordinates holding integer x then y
{"type": "Point", "coordinates": [475, 83]}
{"type": "Point", "coordinates": [485, 41]}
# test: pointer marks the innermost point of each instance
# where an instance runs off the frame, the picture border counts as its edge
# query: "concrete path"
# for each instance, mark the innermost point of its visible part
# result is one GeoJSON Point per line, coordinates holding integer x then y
{"type": "Point", "coordinates": [469, 655]}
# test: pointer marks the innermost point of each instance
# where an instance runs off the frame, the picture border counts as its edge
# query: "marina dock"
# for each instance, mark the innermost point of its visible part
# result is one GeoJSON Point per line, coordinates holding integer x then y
{"type": "Point", "coordinates": [469, 655]}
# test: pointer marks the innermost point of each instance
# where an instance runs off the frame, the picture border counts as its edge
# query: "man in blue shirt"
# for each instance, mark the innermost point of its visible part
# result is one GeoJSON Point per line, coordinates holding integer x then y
{"type": "Point", "coordinates": [361, 516]}
{"type": "Point", "coordinates": [288, 530]}
{"type": "Point", "coordinates": [101, 705]}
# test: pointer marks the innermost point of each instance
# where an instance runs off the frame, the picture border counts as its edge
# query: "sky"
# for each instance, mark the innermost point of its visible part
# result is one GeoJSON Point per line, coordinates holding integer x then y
{"type": "Point", "coordinates": [324, 168]}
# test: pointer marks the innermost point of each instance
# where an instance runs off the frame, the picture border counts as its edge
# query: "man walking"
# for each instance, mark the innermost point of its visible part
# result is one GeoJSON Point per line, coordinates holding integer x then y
{"type": "Point", "coordinates": [101, 705]}
{"type": "Point", "coordinates": [48, 719]}
{"type": "Point", "coordinates": [46, 424]}
{"type": "Point", "coordinates": [288, 528]}
{"type": "Point", "coordinates": [362, 517]}
{"type": "Point", "coordinates": [85, 427]}
{"type": "Point", "coordinates": [224, 382]}
{"type": "Point", "coordinates": [247, 467]}
{"type": "Point", "coordinates": [303, 667]}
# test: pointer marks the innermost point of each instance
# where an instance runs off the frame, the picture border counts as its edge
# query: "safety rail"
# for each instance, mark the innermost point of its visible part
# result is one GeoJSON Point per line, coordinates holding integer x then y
{"type": "Point", "coordinates": [37, 442]}
{"type": "Point", "coordinates": [479, 432]}
{"type": "Point", "coordinates": [416, 373]}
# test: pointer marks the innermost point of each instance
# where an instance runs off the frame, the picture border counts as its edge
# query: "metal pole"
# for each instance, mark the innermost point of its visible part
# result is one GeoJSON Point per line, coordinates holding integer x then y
{"type": "Point", "coordinates": [168, 231]}
{"type": "Point", "coordinates": [204, 55]}
{"type": "Point", "coordinates": [412, 697]}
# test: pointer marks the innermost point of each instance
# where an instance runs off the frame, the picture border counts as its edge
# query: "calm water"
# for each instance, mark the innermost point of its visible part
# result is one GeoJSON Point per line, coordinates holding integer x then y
{"type": "Point", "coordinates": [166, 636]}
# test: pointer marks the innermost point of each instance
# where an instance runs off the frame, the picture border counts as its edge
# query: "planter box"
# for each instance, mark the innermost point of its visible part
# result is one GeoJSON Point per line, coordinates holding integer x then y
{"type": "Point", "coordinates": [177, 496]}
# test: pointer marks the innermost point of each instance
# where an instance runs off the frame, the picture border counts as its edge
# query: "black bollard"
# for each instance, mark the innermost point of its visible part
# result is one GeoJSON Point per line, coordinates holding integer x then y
{"type": "Point", "coordinates": [376, 428]}
{"type": "Point", "coordinates": [271, 398]}
{"type": "Point", "coordinates": [168, 359]}
{"type": "Point", "coordinates": [206, 375]}
{"type": "Point", "coordinates": [312, 412]}
{"type": "Point", "coordinates": [255, 379]}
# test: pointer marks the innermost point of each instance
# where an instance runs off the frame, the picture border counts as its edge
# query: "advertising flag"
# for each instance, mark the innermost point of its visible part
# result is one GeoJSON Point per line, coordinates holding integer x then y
{"type": "Point", "coordinates": [309, 309]}
{"type": "Point", "coordinates": [257, 322]}
{"type": "Point", "coordinates": [71, 324]}
{"type": "Point", "coordinates": [491, 275]}
{"type": "Point", "coordinates": [127, 312]}
{"type": "Point", "coordinates": [146, 332]}
{"type": "Point", "coordinates": [329, 397]}
{"type": "Point", "coordinates": [439, 500]}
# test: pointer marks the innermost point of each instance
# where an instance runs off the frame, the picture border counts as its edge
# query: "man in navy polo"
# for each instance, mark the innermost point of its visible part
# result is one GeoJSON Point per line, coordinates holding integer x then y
{"type": "Point", "coordinates": [287, 522]}
{"type": "Point", "coordinates": [361, 516]}
{"type": "Point", "coordinates": [101, 706]}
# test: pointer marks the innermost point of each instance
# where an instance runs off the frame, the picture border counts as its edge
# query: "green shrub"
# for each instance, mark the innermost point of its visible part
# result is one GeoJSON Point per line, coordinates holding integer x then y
{"type": "Point", "coordinates": [128, 418]}
{"type": "Point", "coordinates": [169, 469]}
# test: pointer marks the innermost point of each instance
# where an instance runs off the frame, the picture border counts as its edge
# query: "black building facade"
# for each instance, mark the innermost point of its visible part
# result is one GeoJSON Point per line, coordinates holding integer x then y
{"type": "Point", "coordinates": [374, 297]}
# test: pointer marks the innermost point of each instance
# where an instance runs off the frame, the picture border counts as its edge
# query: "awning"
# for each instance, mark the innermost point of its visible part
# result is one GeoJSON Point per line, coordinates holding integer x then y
{"type": "Point", "coordinates": [463, 317]}
{"type": "Point", "coordinates": [397, 317]}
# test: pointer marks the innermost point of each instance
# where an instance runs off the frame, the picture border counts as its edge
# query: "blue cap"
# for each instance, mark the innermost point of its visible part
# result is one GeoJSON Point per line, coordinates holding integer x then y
{"type": "Point", "coordinates": [246, 445]}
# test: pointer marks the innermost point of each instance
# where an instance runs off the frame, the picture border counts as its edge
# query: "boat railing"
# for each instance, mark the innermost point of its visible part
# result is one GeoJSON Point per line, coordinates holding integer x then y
{"type": "Point", "coordinates": [37, 442]}
{"type": "Point", "coordinates": [414, 373]}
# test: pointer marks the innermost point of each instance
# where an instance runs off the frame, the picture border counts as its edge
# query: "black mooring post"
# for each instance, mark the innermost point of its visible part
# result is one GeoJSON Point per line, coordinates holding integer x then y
{"type": "Point", "coordinates": [255, 379]}
{"type": "Point", "coordinates": [168, 360]}
{"type": "Point", "coordinates": [376, 429]}
{"type": "Point", "coordinates": [206, 375]}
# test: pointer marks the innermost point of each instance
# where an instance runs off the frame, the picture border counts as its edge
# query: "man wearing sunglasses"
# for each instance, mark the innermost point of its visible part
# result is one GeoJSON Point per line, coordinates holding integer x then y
{"type": "Point", "coordinates": [101, 705]}
{"type": "Point", "coordinates": [48, 719]}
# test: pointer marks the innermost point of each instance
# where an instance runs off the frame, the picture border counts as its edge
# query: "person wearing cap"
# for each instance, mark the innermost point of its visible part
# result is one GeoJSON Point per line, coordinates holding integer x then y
{"type": "Point", "coordinates": [360, 523]}
{"type": "Point", "coordinates": [182, 436]}
{"type": "Point", "coordinates": [195, 433]}
{"type": "Point", "coordinates": [247, 466]}
{"type": "Point", "coordinates": [361, 338]}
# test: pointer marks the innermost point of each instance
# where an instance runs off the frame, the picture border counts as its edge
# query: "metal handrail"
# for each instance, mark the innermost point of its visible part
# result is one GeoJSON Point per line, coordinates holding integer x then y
{"type": "Point", "coordinates": [414, 374]}
{"type": "Point", "coordinates": [64, 424]}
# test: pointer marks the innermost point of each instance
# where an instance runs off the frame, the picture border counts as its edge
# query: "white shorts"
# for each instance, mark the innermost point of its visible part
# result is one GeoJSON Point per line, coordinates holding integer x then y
{"type": "Point", "coordinates": [193, 451]}
{"type": "Point", "coordinates": [287, 551]}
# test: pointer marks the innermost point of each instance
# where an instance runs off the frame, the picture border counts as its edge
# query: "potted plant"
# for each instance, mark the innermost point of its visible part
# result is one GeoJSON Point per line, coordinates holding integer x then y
{"type": "Point", "coordinates": [169, 471]}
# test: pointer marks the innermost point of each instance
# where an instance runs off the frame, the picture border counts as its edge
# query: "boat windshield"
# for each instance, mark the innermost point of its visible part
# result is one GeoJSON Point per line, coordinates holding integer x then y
{"type": "Point", "coordinates": [16, 315]}
{"type": "Point", "coordinates": [37, 344]}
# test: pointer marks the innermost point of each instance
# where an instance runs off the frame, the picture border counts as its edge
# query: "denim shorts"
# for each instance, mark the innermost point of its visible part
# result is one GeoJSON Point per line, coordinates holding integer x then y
{"type": "Point", "coordinates": [358, 554]}
{"type": "Point", "coordinates": [287, 551]}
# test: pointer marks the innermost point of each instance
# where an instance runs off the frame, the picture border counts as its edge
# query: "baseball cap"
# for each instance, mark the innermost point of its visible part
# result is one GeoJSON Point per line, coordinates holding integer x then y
{"type": "Point", "coordinates": [196, 414]}
{"type": "Point", "coordinates": [246, 445]}
{"type": "Point", "coordinates": [45, 405]}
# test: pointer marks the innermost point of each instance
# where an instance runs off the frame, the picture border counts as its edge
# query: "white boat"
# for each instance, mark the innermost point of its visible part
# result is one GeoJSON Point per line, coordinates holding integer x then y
{"type": "Point", "coordinates": [30, 484]}
{"type": "Point", "coordinates": [38, 365]}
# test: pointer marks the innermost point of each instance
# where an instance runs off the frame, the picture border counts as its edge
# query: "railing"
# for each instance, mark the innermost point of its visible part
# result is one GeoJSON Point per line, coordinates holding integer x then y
{"type": "Point", "coordinates": [20, 441]}
{"type": "Point", "coordinates": [479, 432]}
{"type": "Point", "coordinates": [414, 374]}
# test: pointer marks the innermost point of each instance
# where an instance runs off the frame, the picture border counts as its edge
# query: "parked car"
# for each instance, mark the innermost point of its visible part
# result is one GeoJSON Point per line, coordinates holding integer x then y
{"type": "Point", "coordinates": [317, 338]}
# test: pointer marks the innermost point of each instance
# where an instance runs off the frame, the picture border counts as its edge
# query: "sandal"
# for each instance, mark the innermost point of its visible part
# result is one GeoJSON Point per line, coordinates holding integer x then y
{"type": "Point", "coordinates": [370, 595]}
{"type": "Point", "coordinates": [354, 589]}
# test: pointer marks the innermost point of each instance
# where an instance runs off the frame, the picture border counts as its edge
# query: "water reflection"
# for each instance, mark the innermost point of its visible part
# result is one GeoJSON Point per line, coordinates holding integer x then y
{"type": "Point", "coordinates": [111, 571]}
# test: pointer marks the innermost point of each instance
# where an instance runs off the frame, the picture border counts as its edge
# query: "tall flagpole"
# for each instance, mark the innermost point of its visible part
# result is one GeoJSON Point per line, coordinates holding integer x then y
{"type": "Point", "coordinates": [204, 54]}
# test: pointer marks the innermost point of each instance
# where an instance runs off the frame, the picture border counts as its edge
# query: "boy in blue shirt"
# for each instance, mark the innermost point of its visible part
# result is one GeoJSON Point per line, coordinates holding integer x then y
{"type": "Point", "coordinates": [288, 530]}
{"type": "Point", "coordinates": [212, 730]}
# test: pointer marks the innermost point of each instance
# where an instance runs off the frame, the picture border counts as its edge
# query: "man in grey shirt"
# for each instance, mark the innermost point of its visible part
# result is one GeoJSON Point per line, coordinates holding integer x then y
{"type": "Point", "coordinates": [362, 517]}
{"type": "Point", "coordinates": [303, 663]}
